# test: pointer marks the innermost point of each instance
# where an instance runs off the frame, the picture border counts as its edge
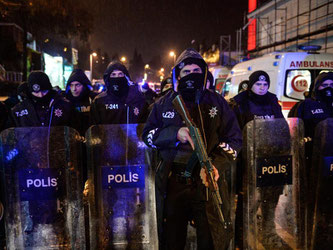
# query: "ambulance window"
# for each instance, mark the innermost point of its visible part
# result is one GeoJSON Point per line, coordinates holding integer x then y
{"type": "Point", "coordinates": [226, 88]}
{"type": "Point", "coordinates": [219, 84]}
{"type": "Point", "coordinates": [297, 82]}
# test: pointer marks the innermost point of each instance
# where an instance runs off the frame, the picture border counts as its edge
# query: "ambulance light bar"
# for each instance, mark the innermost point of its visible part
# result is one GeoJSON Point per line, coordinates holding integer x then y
{"type": "Point", "coordinates": [309, 47]}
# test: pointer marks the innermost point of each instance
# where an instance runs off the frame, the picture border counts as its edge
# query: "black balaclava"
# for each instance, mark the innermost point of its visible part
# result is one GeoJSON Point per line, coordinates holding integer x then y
{"type": "Point", "coordinates": [326, 94]}
{"type": "Point", "coordinates": [118, 86]}
{"type": "Point", "coordinates": [191, 86]}
{"type": "Point", "coordinates": [39, 81]}
{"type": "Point", "coordinates": [253, 78]}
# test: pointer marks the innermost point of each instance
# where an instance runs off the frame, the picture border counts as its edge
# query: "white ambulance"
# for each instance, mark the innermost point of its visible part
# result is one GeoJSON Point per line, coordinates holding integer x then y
{"type": "Point", "coordinates": [291, 74]}
{"type": "Point", "coordinates": [220, 74]}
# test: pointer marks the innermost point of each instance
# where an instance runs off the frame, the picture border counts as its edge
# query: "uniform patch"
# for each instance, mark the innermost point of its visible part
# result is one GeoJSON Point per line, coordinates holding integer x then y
{"type": "Point", "coordinates": [36, 87]}
{"type": "Point", "coordinates": [317, 111]}
{"type": "Point", "coordinates": [22, 113]}
{"type": "Point", "coordinates": [213, 112]}
{"type": "Point", "coordinates": [181, 65]}
{"type": "Point", "coordinates": [136, 111]}
{"type": "Point", "coordinates": [150, 137]}
{"type": "Point", "coordinates": [168, 114]}
{"type": "Point", "coordinates": [111, 106]}
{"type": "Point", "coordinates": [262, 78]}
{"type": "Point", "coordinates": [58, 112]}
{"type": "Point", "coordinates": [263, 117]}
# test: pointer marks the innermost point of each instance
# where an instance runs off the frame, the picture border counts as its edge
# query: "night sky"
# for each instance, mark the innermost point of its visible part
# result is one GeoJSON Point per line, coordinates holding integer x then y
{"type": "Point", "coordinates": [155, 27]}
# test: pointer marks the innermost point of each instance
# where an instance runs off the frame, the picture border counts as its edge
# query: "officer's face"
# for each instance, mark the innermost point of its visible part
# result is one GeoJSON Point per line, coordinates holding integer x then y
{"type": "Point", "coordinates": [40, 94]}
{"type": "Point", "coordinates": [260, 87]}
{"type": "Point", "coordinates": [76, 88]}
{"type": "Point", "coordinates": [117, 73]}
{"type": "Point", "coordinates": [189, 69]}
{"type": "Point", "coordinates": [325, 84]}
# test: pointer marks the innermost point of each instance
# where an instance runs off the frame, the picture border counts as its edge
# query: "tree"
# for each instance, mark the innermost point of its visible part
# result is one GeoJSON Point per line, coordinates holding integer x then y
{"type": "Point", "coordinates": [136, 67]}
{"type": "Point", "coordinates": [66, 18]}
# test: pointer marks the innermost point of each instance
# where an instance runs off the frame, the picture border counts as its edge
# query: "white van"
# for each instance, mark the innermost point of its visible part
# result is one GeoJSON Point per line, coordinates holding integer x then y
{"type": "Point", "coordinates": [291, 74]}
{"type": "Point", "coordinates": [220, 74]}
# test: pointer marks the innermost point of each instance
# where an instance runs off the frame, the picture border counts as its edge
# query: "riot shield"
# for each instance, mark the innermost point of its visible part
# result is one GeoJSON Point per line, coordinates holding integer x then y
{"type": "Point", "coordinates": [321, 186]}
{"type": "Point", "coordinates": [121, 189]}
{"type": "Point", "coordinates": [41, 176]}
{"type": "Point", "coordinates": [274, 181]}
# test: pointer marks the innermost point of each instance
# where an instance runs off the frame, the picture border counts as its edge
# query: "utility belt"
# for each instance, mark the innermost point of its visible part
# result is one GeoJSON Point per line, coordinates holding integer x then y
{"type": "Point", "coordinates": [178, 173]}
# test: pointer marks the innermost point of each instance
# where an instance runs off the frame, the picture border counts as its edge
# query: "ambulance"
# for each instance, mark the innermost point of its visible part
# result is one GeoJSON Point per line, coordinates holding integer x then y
{"type": "Point", "coordinates": [291, 74]}
{"type": "Point", "coordinates": [220, 74]}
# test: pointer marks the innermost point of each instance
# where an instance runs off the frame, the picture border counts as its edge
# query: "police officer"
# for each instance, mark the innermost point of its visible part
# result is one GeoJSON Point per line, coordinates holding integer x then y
{"type": "Point", "coordinates": [166, 85]}
{"type": "Point", "coordinates": [312, 111]}
{"type": "Point", "coordinates": [122, 103]}
{"type": "Point", "coordinates": [319, 107]}
{"type": "Point", "coordinates": [79, 93]}
{"type": "Point", "coordinates": [44, 107]}
{"type": "Point", "coordinates": [254, 103]}
{"type": "Point", "coordinates": [182, 199]}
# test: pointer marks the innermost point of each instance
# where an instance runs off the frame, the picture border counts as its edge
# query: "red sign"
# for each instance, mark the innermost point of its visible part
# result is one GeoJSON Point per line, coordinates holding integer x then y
{"type": "Point", "coordinates": [299, 83]}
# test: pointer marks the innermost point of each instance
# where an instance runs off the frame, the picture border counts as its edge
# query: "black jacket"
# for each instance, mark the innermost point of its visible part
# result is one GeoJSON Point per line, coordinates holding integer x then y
{"type": "Point", "coordinates": [32, 114]}
{"type": "Point", "coordinates": [220, 126]}
{"type": "Point", "coordinates": [311, 111]}
{"type": "Point", "coordinates": [248, 106]}
{"type": "Point", "coordinates": [3, 116]}
{"type": "Point", "coordinates": [82, 103]}
{"type": "Point", "coordinates": [111, 109]}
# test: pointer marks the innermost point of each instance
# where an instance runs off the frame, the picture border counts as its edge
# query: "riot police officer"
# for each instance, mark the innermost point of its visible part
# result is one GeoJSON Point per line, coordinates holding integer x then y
{"type": "Point", "coordinates": [254, 103]}
{"type": "Point", "coordinates": [122, 103]}
{"type": "Point", "coordinates": [79, 93]}
{"type": "Point", "coordinates": [181, 199]}
{"type": "Point", "coordinates": [312, 111]}
{"type": "Point", "coordinates": [43, 106]}
{"type": "Point", "coordinates": [319, 107]}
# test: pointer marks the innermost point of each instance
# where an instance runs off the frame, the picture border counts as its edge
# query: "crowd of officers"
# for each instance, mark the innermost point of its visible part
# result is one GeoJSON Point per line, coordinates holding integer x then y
{"type": "Point", "coordinates": [180, 199]}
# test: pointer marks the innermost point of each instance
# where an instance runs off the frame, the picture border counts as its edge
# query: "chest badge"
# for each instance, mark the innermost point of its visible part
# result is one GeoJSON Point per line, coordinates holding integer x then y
{"type": "Point", "coordinates": [136, 111]}
{"type": "Point", "coordinates": [58, 112]}
{"type": "Point", "coordinates": [213, 112]}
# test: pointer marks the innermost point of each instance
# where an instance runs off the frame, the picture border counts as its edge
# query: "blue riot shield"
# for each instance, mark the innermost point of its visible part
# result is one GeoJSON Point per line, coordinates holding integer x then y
{"type": "Point", "coordinates": [274, 181]}
{"type": "Point", "coordinates": [321, 186]}
{"type": "Point", "coordinates": [121, 189]}
{"type": "Point", "coordinates": [42, 186]}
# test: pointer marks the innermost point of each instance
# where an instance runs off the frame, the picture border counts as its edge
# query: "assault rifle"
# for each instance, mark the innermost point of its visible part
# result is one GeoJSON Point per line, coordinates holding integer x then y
{"type": "Point", "coordinates": [205, 161]}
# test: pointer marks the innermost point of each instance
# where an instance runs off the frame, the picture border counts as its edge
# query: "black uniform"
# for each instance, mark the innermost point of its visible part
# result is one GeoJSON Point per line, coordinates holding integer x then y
{"type": "Point", "coordinates": [83, 102]}
{"type": "Point", "coordinates": [180, 199]}
{"type": "Point", "coordinates": [312, 111]}
{"type": "Point", "coordinates": [249, 106]}
{"type": "Point", "coordinates": [56, 112]}
{"type": "Point", "coordinates": [126, 105]}
{"type": "Point", "coordinates": [316, 109]}
{"type": "Point", "coordinates": [3, 116]}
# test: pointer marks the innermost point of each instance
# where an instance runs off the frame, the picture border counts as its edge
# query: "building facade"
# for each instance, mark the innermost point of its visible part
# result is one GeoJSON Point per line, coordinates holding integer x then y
{"type": "Point", "coordinates": [283, 25]}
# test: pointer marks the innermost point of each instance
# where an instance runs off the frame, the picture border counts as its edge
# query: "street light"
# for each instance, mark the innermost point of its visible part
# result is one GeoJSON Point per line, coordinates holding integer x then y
{"type": "Point", "coordinates": [123, 59]}
{"type": "Point", "coordinates": [173, 54]}
{"type": "Point", "coordinates": [94, 54]}
{"type": "Point", "coordinates": [162, 69]}
{"type": "Point", "coordinates": [147, 66]}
